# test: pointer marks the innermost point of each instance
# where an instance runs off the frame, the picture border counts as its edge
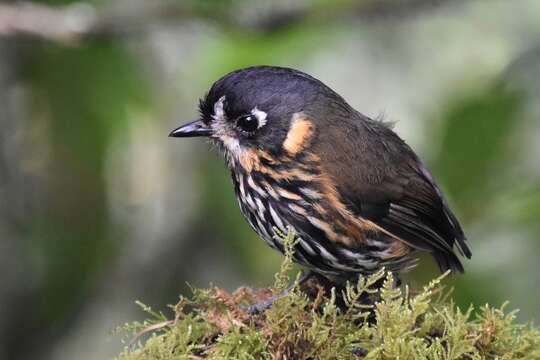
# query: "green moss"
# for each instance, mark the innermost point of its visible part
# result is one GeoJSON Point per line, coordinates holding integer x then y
{"type": "Point", "coordinates": [213, 324]}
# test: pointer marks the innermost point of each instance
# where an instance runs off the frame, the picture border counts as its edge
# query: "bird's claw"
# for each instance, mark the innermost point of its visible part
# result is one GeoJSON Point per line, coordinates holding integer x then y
{"type": "Point", "coordinates": [261, 306]}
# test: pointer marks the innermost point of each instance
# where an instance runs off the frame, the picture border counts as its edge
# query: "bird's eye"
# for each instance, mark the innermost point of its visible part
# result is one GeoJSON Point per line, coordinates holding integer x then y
{"type": "Point", "coordinates": [248, 123]}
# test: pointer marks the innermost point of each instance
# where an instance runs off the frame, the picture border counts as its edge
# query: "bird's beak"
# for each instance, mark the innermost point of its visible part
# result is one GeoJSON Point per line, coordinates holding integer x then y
{"type": "Point", "coordinates": [192, 129]}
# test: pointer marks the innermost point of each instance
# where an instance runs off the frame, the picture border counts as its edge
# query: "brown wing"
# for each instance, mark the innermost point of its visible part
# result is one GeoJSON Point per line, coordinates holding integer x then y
{"type": "Point", "coordinates": [381, 179]}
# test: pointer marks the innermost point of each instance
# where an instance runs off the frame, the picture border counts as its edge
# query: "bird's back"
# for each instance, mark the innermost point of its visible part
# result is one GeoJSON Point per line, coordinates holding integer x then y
{"type": "Point", "coordinates": [381, 180]}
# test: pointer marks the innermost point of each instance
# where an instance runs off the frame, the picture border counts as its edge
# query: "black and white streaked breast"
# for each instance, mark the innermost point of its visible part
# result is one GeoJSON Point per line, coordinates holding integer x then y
{"type": "Point", "coordinates": [268, 203]}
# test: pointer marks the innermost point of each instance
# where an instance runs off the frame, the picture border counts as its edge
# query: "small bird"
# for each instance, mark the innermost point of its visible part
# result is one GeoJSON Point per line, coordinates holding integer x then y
{"type": "Point", "coordinates": [357, 196]}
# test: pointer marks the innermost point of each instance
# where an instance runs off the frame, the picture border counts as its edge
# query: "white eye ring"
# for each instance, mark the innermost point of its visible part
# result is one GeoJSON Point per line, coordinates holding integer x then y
{"type": "Point", "coordinates": [260, 115]}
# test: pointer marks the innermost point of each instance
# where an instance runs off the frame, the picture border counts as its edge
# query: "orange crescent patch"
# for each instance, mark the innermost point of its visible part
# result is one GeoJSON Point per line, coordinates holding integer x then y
{"type": "Point", "coordinates": [299, 135]}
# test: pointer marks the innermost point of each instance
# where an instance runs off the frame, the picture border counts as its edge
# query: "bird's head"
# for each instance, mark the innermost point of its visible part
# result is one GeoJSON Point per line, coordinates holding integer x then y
{"type": "Point", "coordinates": [261, 108]}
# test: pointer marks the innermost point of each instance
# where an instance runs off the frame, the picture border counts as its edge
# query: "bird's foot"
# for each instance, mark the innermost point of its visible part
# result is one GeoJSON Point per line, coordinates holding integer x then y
{"type": "Point", "coordinates": [261, 306]}
{"type": "Point", "coordinates": [267, 303]}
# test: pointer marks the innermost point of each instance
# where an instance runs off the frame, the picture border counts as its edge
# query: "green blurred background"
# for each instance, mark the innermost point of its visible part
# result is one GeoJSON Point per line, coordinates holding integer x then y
{"type": "Point", "coordinates": [99, 208]}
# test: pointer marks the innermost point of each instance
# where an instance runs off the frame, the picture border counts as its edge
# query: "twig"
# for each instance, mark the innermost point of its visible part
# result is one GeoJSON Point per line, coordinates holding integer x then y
{"type": "Point", "coordinates": [56, 24]}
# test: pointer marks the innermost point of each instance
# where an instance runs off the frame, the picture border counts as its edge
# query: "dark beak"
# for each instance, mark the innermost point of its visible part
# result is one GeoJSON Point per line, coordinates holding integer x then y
{"type": "Point", "coordinates": [192, 129]}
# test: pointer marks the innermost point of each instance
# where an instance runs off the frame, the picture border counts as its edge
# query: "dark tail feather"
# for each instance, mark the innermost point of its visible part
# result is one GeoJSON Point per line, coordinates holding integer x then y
{"type": "Point", "coordinates": [458, 233]}
{"type": "Point", "coordinates": [449, 261]}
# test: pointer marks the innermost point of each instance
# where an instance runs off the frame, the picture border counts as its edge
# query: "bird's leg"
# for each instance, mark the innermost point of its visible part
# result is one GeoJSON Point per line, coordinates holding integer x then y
{"type": "Point", "coordinates": [267, 303]}
{"type": "Point", "coordinates": [260, 306]}
{"type": "Point", "coordinates": [319, 281]}
{"type": "Point", "coordinates": [339, 284]}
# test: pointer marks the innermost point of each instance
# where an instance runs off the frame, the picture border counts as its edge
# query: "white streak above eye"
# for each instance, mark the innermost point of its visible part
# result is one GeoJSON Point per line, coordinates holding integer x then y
{"type": "Point", "coordinates": [260, 115]}
{"type": "Point", "coordinates": [219, 113]}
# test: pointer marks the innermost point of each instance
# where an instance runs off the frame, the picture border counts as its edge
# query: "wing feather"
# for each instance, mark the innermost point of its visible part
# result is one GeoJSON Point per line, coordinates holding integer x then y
{"type": "Point", "coordinates": [385, 182]}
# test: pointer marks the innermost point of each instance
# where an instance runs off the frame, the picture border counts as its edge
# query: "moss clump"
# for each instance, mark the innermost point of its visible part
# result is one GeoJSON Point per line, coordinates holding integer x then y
{"type": "Point", "coordinates": [214, 324]}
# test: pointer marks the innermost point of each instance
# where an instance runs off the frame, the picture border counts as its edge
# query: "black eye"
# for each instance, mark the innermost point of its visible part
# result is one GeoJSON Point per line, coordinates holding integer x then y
{"type": "Point", "coordinates": [247, 123]}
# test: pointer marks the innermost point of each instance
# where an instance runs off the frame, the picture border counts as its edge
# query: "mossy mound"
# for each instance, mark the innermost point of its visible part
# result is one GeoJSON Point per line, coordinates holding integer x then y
{"type": "Point", "coordinates": [214, 324]}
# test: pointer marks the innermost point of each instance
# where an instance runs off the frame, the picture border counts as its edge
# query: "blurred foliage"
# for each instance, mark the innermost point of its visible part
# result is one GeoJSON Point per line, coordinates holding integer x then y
{"type": "Point", "coordinates": [477, 132]}
{"type": "Point", "coordinates": [83, 93]}
{"type": "Point", "coordinates": [285, 47]}
{"type": "Point", "coordinates": [476, 166]}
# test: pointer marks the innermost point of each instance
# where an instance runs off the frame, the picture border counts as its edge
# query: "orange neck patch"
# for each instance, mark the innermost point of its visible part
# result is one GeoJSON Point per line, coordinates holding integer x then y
{"type": "Point", "coordinates": [249, 160]}
{"type": "Point", "coordinates": [299, 135]}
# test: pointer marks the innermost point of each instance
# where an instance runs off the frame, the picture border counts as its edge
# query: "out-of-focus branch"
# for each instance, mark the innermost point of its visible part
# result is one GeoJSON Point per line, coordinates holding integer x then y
{"type": "Point", "coordinates": [57, 24]}
{"type": "Point", "coordinates": [80, 21]}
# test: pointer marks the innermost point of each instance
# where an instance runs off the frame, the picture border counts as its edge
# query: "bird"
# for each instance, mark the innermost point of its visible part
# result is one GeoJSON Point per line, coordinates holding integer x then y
{"type": "Point", "coordinates": [357, 196]}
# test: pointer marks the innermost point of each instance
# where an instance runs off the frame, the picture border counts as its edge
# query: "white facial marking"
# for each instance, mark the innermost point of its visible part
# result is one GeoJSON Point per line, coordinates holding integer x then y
{"type": "Point", "coordinates": [232, 144]}
{"type": "Point", "coordinates": [260, 115]}
{"type": "Point", "coordinates": [222, 131]}
{"type": "Point", "coordinates": [219, 113]}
